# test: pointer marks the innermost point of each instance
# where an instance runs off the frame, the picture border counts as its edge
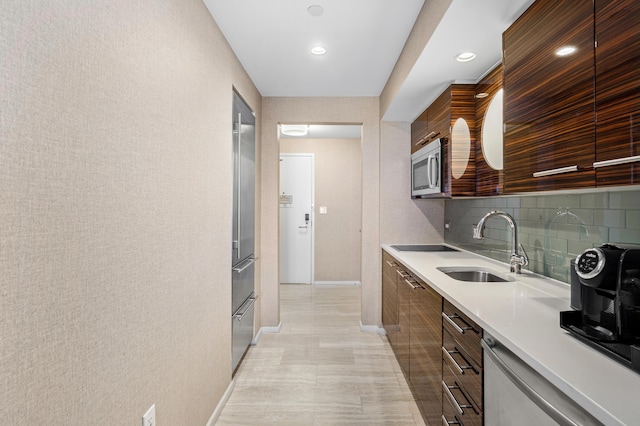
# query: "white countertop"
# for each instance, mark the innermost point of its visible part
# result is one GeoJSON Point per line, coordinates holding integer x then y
{"type": "Point", "coordinates": [524, 316]}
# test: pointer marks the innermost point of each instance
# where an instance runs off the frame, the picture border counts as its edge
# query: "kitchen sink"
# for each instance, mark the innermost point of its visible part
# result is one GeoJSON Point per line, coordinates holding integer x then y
{"type": "Point", "coordinates": [474, 274]}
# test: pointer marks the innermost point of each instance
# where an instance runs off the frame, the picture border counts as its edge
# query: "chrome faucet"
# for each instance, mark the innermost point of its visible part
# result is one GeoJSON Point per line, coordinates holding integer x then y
{"type": "Point", "coordinates": [517, 260]}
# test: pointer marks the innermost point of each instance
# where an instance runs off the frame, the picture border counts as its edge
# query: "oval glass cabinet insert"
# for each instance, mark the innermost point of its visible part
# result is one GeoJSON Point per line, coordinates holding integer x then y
{"type": "Point", "coordinates": [492, 135]}
{"type": "Point", "coordinates": [460, 147]}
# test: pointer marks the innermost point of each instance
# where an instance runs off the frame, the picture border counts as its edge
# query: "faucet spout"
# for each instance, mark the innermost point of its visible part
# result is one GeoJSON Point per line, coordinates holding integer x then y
{"type": "Point", "coordinates": [517, 259]}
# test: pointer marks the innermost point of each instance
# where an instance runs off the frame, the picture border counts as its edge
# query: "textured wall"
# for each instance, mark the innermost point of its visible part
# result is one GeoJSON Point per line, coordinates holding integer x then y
{"type": "Point", "coordinates": [328, 111]}
{"type": "Point", "coordinates": [554, 228]}
{"type": "Point", "coordinates": [115, 211]}
{"type": "Point", "coordinates": [338, 186]}
{"type": "Point", "coordinates": [403, 220]}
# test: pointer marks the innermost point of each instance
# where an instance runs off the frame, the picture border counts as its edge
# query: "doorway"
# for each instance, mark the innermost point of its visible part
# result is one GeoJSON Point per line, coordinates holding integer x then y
{"type": "Point", "coordinates": [336, 217]}
{"type": "Point", "coordinates": [297, 173]}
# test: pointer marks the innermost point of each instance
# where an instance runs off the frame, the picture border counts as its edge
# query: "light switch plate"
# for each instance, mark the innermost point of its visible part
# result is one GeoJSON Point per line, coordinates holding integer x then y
{"type": "Point", "coordinates": [323, 209]}
{"type": "Point", "coordinates": [149, 418]}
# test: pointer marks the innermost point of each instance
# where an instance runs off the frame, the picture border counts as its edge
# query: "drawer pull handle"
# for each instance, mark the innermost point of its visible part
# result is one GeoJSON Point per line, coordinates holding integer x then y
{"type": "Point", "coordinates": [403, 274]}
{"type": "Point", "coordinates": [414, 285]}
{"type": "Point", "coordinates": [616, 161]}
{"type": "Point", "coordinates": [446, 422]}
{"type": "Point", "coordinates": [459, 329]}
{"type": "Point", "coordinates": [393, 265]}
{"type": "Point", "coordinates": [458, 367]}
{"type": "Point", "coordinates": [557, 171]}
{"type": "Point", "coordinates": [447, 390]}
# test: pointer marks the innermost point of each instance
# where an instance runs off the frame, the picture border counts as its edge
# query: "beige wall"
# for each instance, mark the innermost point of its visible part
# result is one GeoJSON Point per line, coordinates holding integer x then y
{"type": "Point", "coordinates": [321, 110]}
{"type": "Point", "coordinates": [403, 220]}
{"type": "Point", "coordinates": [338, 186]}
{"type": "Point", "coordinates": [115, 211]}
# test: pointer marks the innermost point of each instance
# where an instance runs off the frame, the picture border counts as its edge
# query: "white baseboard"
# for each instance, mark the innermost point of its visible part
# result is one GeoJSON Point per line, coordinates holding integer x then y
{"type": "Point", "coordinates": [266, 330]}
{"type": "Point", "coordinates": [225, 397]}
{"type": "Point", "coordinates": [336, 283]}
{"type": "Point", "coordinates": [372, 329]}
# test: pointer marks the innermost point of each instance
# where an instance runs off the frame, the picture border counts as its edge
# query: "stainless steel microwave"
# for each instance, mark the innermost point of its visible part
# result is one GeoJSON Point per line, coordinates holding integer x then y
{"type": "Point", "coordinates": [426, 170]}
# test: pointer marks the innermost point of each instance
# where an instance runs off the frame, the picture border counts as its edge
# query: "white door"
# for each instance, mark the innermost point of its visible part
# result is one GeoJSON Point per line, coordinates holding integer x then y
{"type": "Point", "coordinates": [296, 218]}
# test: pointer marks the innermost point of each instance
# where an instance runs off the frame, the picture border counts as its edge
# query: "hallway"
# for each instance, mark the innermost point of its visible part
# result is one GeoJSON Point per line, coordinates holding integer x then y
{"type": "Point", "coordinates": [320, 369]}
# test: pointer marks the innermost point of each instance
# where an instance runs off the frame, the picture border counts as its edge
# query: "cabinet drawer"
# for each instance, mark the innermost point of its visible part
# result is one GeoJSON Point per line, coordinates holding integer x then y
{"type": "Point", "coordinates": [466, 333]}
{"type": "Point", "coordinates": [468, 375]}
{"type": "Point", "coordinates": [449, 414]}
{"type": "Point", "coordinates": [389, 264]}
{"type": "Point", "coordinates": [456, 404]}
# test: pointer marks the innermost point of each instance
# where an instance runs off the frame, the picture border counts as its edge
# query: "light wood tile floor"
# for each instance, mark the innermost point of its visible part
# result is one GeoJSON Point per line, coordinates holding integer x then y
{"type": "Point", "coordinates": [320, 369]}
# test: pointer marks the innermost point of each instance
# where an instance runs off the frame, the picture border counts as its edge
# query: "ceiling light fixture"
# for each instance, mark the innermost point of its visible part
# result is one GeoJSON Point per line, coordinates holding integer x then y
{"type": "Point", "coordinates": [566, 51]}
{"type": "Point", "coordinates": [481, 95]}
{"type": "Point", "coordinates": [315, 10]}
{"type": "Point", "coordinates": [465, 57]}
{"type": "Point", "coordinates": [294, 129]}
{"type": "Point", "coordinates": [318, 50]}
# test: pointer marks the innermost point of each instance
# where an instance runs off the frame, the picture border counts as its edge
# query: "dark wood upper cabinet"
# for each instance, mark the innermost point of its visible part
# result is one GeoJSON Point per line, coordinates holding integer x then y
{"type": "Point", "coordinates": [437, 122]}
{"type": "Point", "coordinates": [549, 99]}
{"type": "Point", "coordinates": [617, 67]}
{"type": "Point", "coordinates": [440, 115]}
{"type": "Point", "coordinates": [433, 123]}
{"type": "Point", "coordinates": [488, 179]}
{"type": "Point", "coordinates": [420, 132]}
{"type": "Point", "coordinates": [459, 150]}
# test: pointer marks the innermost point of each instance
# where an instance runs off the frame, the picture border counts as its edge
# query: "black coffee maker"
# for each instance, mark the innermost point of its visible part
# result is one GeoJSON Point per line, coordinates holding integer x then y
{"type": "Point", "coordinates": [605, 293]}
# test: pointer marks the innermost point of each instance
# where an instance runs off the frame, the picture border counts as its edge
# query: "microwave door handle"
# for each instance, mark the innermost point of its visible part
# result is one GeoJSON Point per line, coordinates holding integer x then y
{"type": "Point", "coordinates": [436, 170]}
{"type": "Point", "coordinates": [429, 182]}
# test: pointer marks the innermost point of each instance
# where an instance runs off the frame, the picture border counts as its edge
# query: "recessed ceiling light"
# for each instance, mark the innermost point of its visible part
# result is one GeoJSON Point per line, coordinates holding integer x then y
{"type": "Point", "coordinates": [315, 10]}
{"type": "Point", "coordinates": [294, 129]}
{"type": "Point", "coordinates": [318, 50]}
{"type": "Point", "coordinates": [465, 57]}
{"type": "Point", "coordinates": [481, 95]}
{"type": "Point", "coordinates": [566, 51]}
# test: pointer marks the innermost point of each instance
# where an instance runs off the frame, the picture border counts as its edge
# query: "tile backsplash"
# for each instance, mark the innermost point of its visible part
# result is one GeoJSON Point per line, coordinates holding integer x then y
{"type": "Point", "coordinates": [553, 228]}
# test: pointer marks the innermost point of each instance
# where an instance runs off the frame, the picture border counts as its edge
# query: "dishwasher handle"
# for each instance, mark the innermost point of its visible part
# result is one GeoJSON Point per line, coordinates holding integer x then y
{"type": "Point", "coordinates": [534, 396]}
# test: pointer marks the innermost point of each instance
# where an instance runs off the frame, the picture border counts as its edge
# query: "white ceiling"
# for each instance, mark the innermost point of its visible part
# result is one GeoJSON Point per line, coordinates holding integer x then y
{"type": "Point", "coordinates": [468, 26]}
{"type": "Point", "coordinates": [273, 38]}
{"type": "Point", "coordinates": [363, 38]}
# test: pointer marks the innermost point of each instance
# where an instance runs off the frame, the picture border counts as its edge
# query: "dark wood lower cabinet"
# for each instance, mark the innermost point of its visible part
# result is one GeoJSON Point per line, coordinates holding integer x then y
{"type": "Point", "coordinates": [389, 297]}
{"type": "Point", "coordinates": [462, 367]}
{"type": "Point", "coordinates": [457, 403]}
{"type": "Point", "coordinates": [402, 347]}
{"type": "Point", "coordinates": [425, 360]}
{"type": "Point", "coordinates": [416, 335]}
{"type": "Point", "coordinates": [437, 346]}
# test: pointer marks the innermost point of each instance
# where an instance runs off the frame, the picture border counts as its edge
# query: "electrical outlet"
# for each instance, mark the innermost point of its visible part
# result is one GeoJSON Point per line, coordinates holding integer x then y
{"type": "Point", "coordinates": [149, 418]}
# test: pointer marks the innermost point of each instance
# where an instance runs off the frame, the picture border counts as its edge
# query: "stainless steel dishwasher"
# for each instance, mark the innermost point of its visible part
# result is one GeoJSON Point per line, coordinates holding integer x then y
{"type": "Point", "coordinates": [515, 394]}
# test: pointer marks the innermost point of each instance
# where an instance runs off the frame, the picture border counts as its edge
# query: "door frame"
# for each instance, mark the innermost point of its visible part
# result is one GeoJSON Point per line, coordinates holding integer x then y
{"type": "Point", "coordinates": [312, 215]}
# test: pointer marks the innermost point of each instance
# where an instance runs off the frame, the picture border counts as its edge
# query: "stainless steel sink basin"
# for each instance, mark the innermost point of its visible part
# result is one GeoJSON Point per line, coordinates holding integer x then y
{"type": "Point", "coordinates": [475, 274]}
